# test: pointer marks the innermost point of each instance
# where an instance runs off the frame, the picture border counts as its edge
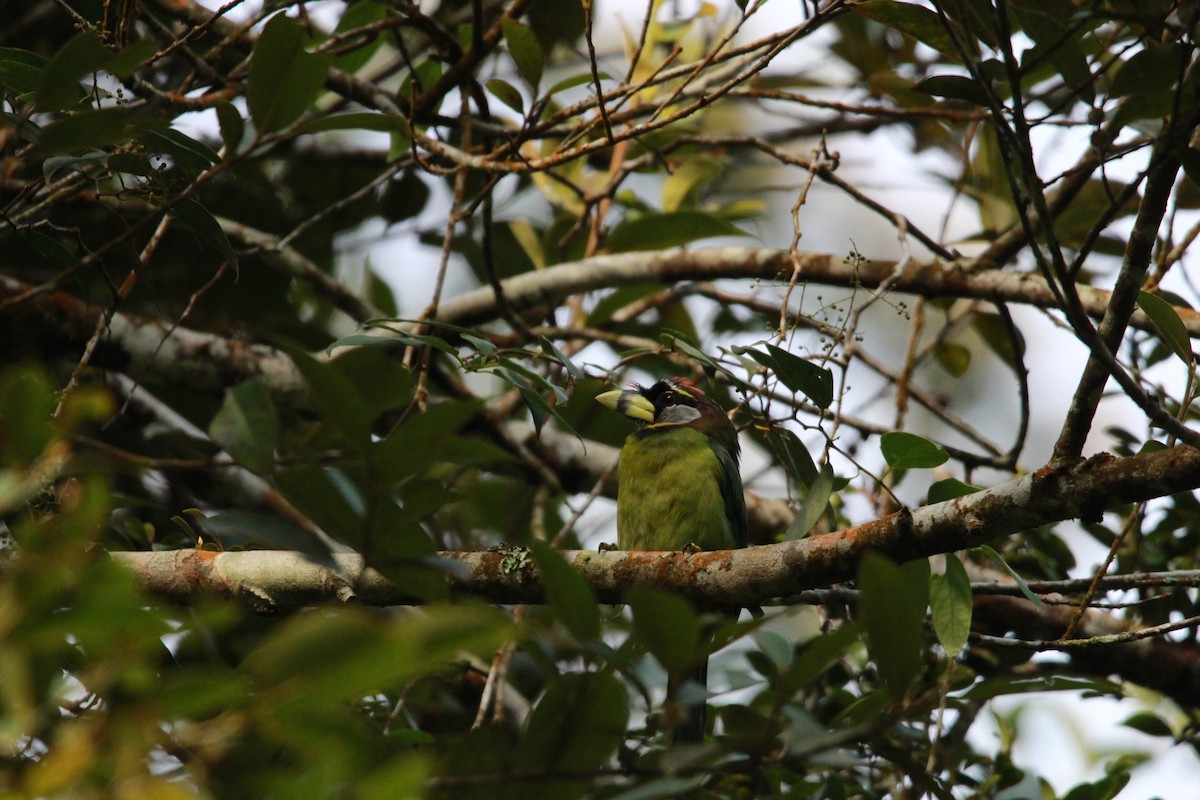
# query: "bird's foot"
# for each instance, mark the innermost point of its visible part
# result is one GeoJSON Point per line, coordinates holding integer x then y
{"type": "Point", "coordinates": [606, 547]}
{"type": "Point", "coordinates": [691, 548]}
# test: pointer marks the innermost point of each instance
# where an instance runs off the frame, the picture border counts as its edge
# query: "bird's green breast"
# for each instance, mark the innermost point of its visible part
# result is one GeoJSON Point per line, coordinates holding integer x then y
{"type": "Point", "coordinates": [669, 492]}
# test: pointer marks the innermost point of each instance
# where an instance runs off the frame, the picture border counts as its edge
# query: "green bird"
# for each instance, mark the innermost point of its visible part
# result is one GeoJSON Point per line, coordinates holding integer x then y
{"type": "Point", "coordinates": [678, 487]}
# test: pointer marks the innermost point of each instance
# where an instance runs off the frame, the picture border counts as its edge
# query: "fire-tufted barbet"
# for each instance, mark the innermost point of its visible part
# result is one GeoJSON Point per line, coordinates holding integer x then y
{"type": "Point", "coordinates": [678, 486]}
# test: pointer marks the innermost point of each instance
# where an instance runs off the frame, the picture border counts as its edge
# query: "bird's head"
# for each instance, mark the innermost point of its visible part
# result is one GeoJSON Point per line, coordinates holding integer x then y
{"type": "Point", "coordinates": [675, 401]}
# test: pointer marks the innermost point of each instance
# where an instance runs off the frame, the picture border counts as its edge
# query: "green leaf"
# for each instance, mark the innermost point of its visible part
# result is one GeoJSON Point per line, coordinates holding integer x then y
{"type": "Point", "coordinates": [686, 178]}
{"type": "Point", "coordinates": [802, 375]}
{"type": "Point", "coordinates": [578, 79]}
{"type": "Point", "coordinates": [991, 553]}
{"type": "Point", "coordinates": [892, 601]}
{"type": "Point", "coordinates": [955, 87]}
{"type": "Point", "coordinates": [551, 349]}
{"type": "Point", "coordinates": [205, 226]}
{"type": "Point", "coordinates": [1149, 723]}
{"type": "Point", "coordinates": [1106, 788]}
{"type": "Point", "coordinates": [508, 94]}
{"type": "Point", "coordinates": [660, 231]}
{"type": "Point", "coordinates": [334, 397]}
{"type": "Point", "coordinates": [1155, 69]}
{"type": "Point", "coordinates": [904, 450]}
{"type": "Point", "coordinates": [576, 726]}
{"type": "Point", "coordinates": [815, 502]}
{"type": "Point", "coordinates": [421, 440]}
{"type": "Point", "coordinates": [817, 655]}
{"type": "Point", "coordinates": [191, 156]}
{"type": "Point", "coordinates": [233, 127]}
{"type": "Point", "coordinates": [283, 80]}
{"type": "Point", "coordinates": [568, 593]}
{"type": "Point", "coordinates": [950, 604]}
{"type": "Point", "coordinates": [954, 358]}
{"type": "Point", "coordinates": [328, 497]}
{"type": "Point", "coordinates": [94, 129]}
{"type": "Point", "coordinates": [992, 329]}
{"type": "Point", "coordinates": [1009, 683]}
{"type": "Point", "coordinates": [948, 489]}
{"type": "Point", "coordinates": [247, 426]}
{"type": "Point", "coordinates": [356, 121]}
{"type": "Point", "coordinates": [911, 20]}
{"type": "Point", "coordinates": [59, 87]}
{"type": "Point", "coordinates": [340, 656]}
{"type": "Point", "coordinates": [666, 626]}
{"type": "Point", "coordinates": [49, 248]}
{"type": "Point", "coordinates": [20, 70]}
{"type": "Point", "coordinates": [124, 63]}
{"type": "Point", "coordinates": [1168, 324]}
{"type": "Point", "coordinates": [358, 15]}
{"type": "Point", "coordinates": [794, 456]}
{"type": "Point", "coordinates": [525, 51]}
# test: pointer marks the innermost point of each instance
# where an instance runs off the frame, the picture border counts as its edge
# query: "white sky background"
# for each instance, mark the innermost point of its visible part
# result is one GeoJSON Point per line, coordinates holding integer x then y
{"type": "Point", "coordinates": [1063, 737]}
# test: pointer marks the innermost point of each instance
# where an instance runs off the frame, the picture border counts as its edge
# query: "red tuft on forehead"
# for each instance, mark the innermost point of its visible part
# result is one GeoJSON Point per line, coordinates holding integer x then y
{"type": "Point", "coordinates": [686, 385]}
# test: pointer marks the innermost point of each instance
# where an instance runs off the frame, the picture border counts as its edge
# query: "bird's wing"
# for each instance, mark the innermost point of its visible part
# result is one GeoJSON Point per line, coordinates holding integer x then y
{"type": "Point", "coordinates": [731, 493]}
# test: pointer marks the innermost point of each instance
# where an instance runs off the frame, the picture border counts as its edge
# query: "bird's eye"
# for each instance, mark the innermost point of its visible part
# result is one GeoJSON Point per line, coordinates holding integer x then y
{"type": "Point", "coordinates": [668, 398]}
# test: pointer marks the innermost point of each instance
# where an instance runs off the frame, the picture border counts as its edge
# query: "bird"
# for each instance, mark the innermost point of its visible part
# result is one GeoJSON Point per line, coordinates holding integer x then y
{"type": "Point", "coordinates": [678, 488]}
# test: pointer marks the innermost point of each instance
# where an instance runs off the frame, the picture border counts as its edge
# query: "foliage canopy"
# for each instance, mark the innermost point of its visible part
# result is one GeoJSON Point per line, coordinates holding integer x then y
{"type": "Point", "coordinates": [344, 277]}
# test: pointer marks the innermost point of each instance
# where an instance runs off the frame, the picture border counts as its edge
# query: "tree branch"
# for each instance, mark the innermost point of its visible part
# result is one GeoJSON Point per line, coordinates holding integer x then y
{"type": "Point", "coordinates": [723, 578]}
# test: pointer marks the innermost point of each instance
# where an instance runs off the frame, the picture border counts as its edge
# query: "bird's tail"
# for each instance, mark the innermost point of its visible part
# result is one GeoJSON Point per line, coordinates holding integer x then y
{"type": "Point", "coordinates": [694, 716]}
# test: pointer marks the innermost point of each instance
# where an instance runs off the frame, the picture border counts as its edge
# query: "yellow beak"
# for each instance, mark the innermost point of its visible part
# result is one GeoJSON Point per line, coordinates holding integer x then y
{"type": "Point", "coordinates": [629, 402]}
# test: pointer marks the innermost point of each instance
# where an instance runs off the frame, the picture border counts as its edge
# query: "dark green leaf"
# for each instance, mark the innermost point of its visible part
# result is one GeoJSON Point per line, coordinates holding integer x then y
{"type": "Point", "coordinates": [666, 626]}
{"type": "Point", "coordinates": [911, 20]}
{"type": "Point", "coordinates": [525, 51]}
{"type": "Point", "coordinates": [1149, 723]}
{"type": "Point", "coordinates": [48, 247]}
{"type": "Point", "coordinates": [568, 593]}
{"type": "Point", "coordinates": [1106, 788]}
{"type": "Point", "coordinates": [342, 655]}
{"type": "Point", "coordinates": [95, 129]}
{"type": "Point", "coordinates": [955, 87]}
{"type": "Point", "coordinates": [247, 426]}
{"type": "Point", "coordinates": [59, 87]}
{"type": "Point", "coordinates": [124, 63]}
{"type": "Point", "coordinates": [232, 126]}
{"type": "Point", "coordinates": [948, 489]}
{"type": "Point", "coordinates": [892, 602]}
{"type": "Point", "coordinates": [575, 80]}
{"type": "Point", "coordinates": [283, 80]}
{"type": "Point", "coordinates": [995, 332]}
{"type": "Point", "coordinates": [328, 497]}
{"type": "Point", "coordinates": [802, 375]}
{"type": "Point", "coordinates": [817, 655]}
{"type": "Point", "coordinates": [1155, 69]}
{"type": "Point", "coordinates": [357, 121]}
{"type": "Point", "coordinates": [549, 348]}
{"type": "Point", "coordinates": [508, 94]}
{"type": "Point", "coordinates": [816, 499]}
{"type": "Point", "coordinates": [20, 70]}
{"type": "Point", "coordinates": [205, 226]}
{"type": "Point", "coordinates": [191, 156]}
{"type": "Point", "coordinates": [334, 397]}
{"type": "Point", "coordinates": [660, 231]}
{"type": "Point", "coordinates": [950, 604]}
{"type": "Point", "coordinates": [358, 15]}
{"type": "Point", "coordinates": [577, 725]}
{"type": "Point", "coordinates": [1168, 324]}
{"type": "Point", "coordinates": [1006, 684]}
{"type": "Point", "coordinates": [794, 456]}
{"type": "Point", "coordinates": [420, 440]}
{"type": "Point", "coordinates": [904, 450]}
